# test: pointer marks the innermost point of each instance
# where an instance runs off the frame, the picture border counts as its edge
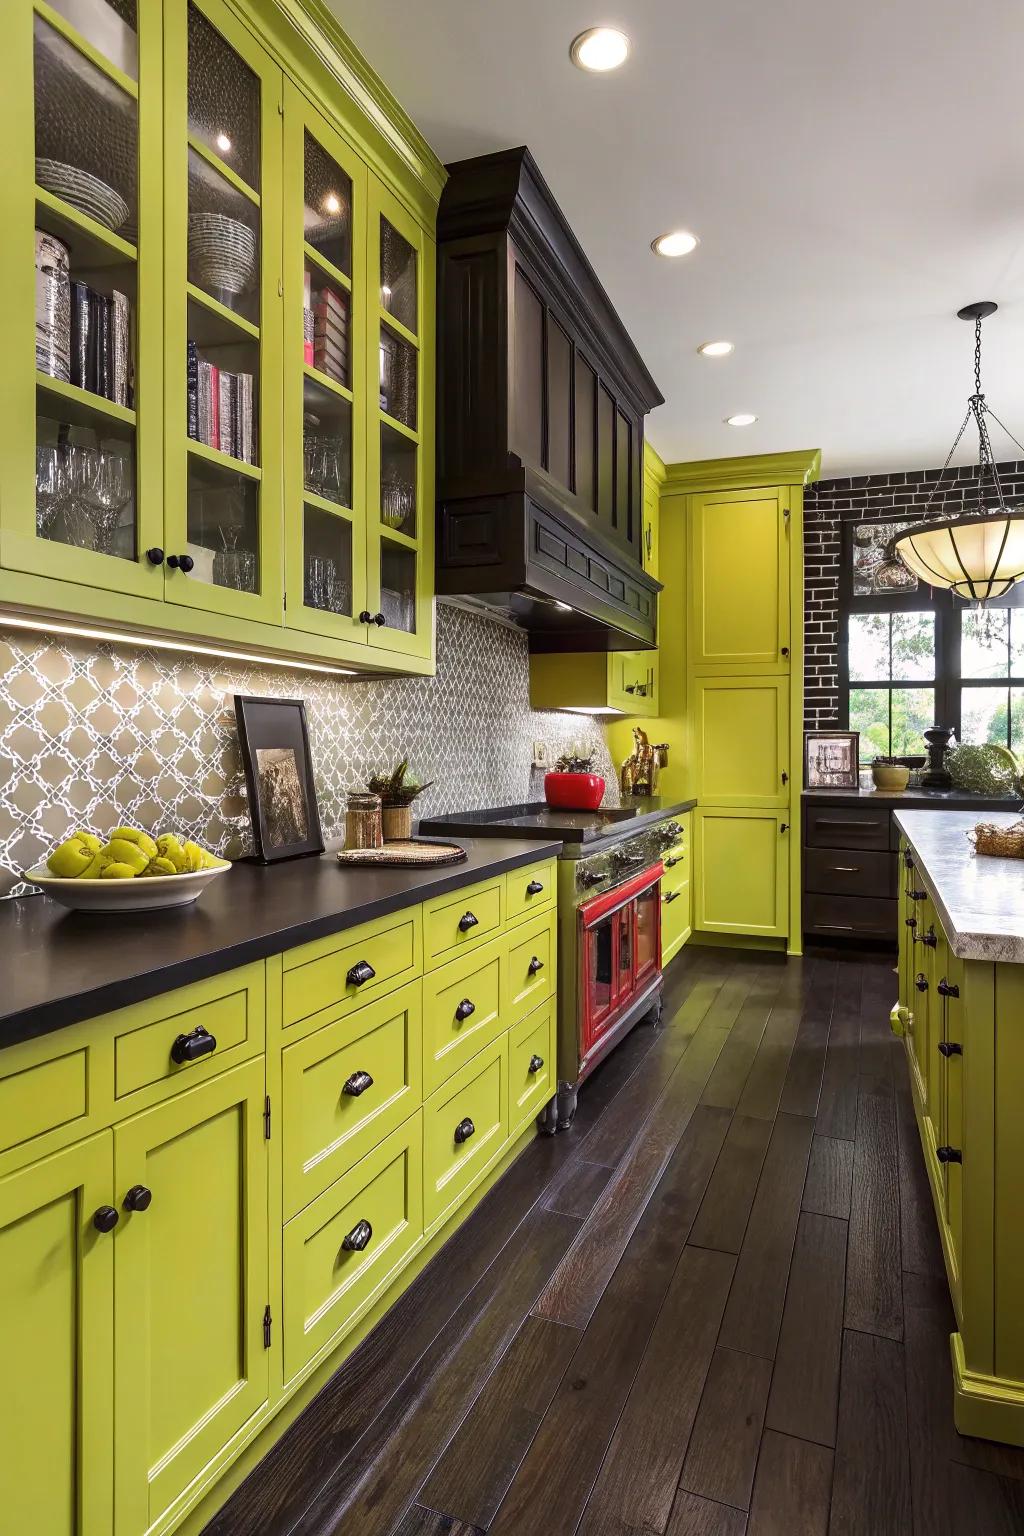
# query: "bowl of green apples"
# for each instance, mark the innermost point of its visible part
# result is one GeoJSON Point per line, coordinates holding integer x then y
{"type": "Point", "coordinates": [129, 871]}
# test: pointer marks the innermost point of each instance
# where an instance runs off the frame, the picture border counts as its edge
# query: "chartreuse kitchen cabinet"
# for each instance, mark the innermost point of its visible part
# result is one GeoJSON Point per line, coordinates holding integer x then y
{"type": "Point", "coordinates": [255, 467]}
{"type": "Point", "coordinates": [959, 1010]}
{"type": "Point", "coordinates": [188, 1235]}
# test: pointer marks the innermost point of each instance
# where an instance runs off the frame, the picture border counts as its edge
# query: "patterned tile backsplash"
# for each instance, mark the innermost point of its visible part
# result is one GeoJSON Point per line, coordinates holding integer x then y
{"type": "Point", "coordinates": [94, 735]}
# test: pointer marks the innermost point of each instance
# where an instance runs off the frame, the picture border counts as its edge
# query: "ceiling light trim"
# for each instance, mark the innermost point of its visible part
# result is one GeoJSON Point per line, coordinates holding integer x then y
{"type": "Point", "coordinates": [613, 37]}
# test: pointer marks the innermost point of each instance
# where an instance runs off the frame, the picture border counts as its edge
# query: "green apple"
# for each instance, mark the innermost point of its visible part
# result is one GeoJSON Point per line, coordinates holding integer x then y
{"type": "Point", "coordinates": [116, 870]}
{"type": "Point", "coordinates": [121, 851]}
{"type": "Point", "coordinates": [133, 835]}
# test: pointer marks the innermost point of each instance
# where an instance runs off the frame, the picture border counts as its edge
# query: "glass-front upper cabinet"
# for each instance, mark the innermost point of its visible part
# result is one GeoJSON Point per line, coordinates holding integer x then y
{"type": "Point", "coordinates": [400, 471]}
{"type": "Point", "coordinates": [324, 375]}
{"type": "Point", "coordinates": [222, 132]}
{"type": "Point", "coordinates": [80, 264]}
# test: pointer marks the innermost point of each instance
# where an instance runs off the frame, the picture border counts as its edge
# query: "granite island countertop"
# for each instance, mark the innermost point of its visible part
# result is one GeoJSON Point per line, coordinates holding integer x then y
{"type": "Point", "coordinates": [979, 900]}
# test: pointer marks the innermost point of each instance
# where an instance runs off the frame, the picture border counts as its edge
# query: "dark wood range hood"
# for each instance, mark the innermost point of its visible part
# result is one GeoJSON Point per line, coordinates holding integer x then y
{"type": "Point", "coordinates": [541, 404]}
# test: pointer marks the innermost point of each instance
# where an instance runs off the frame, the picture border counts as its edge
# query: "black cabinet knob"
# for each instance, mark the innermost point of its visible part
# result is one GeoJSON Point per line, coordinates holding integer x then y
{"type": "Point", "coordinates": [911, 922]}
{"type": "Point", "coordinates": [921, 982]}
{"type": "Point", "coordinates": [356, 1240]}
{"type": "Point", "coordinates": [784, 826]}
{"type": "Point", "coordinates": [181, 563]}
{"type": "Point", "coordinates": [360, 973]}
{"type": "Point", "coordinates": [106, 1218]}
{"type": "Point", "coordinates": [366, 617]}
{"type": "Point", "coordinates": [785, 650]}
{"type": "Point", "coordinates": [947, 988]}
{"type": "Point", "coordinates": [535, 965]}
{"type": "Point", "coordinates": [949, 1154]}
{"type": "Point", "coordinates": [785, 776]}
{"type": "Point", "coordinates": [534, 888]}
{"type": "Point", "coordinates": [465, 1009]}
{"type": "Point", "coordinates": [464, 1130]}
{"type": "Point", "coordinates": [198, 1042]}
{"type": "Point", "coordinates": [357, 1084]}
{"type": "Point", "coordinates": [155, 556]}
{"type": "Point", "coordinates": [138, 1198]}
{"type": "Point", "coordinates": [467, 921]}
{"type": "Point", "coordinates": [536, 1062]}
{"type": "Point", "coordinates": [949, 1048]}
{"type": "Point", "coordinates": [379, 620]}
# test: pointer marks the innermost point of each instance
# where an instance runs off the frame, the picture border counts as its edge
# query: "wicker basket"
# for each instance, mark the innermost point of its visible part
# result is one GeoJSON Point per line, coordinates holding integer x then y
{"type": "Point", "coordinates": [1000, 842]}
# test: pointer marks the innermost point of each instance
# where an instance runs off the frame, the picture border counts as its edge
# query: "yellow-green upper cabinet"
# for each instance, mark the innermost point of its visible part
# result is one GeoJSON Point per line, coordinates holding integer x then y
{"type": "Point", "coordinates": [652, 508]}
{"type": "Point", "coordinates": [191, 1288]}
{"type": "Point", "coordinates": [222, 274]}
{"type": "Point", "coordinates": [741, 740]}
{"type": "Point", "coordinates": [325, 384]}
{"type": "Point", "coordinates": [633, 682]}
{"type": "Point", "coordinates": [739, 552]}
{"type": "Point", "coordinates": [742, 859]}
{"type": "Point", "coordinates": [400, 445]}
{"type": "Point", "coordinates": [56, 1324]}
{"type": "Point", "coordinates": [80, 271]}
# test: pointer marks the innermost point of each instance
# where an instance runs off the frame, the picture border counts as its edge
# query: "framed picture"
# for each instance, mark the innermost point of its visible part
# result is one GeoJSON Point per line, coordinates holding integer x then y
{"type": "Point", "coordinates": [274, 739]}
{"type": "Point", "coordinates": [832, 759]}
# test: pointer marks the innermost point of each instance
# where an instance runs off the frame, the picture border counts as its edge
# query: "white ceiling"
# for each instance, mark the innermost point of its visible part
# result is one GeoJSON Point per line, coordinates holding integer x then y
{"type": "Point", "coordinates": [855, 172]}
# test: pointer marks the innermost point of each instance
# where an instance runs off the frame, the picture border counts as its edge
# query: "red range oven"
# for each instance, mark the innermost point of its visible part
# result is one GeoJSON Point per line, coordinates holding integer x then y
{"type": "Point", "coordinates": [619, 950]}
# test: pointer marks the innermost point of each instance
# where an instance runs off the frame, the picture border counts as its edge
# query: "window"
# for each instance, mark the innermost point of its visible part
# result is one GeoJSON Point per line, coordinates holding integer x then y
{"type": "Point", "coordinates": [891, 664]}
{"type": "Point", "coordinates": [992, 676]}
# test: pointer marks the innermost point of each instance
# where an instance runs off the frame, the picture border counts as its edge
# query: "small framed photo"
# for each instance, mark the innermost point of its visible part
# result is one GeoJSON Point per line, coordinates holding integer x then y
{"type": "Point", "coordinates": [832, 759]}
{"type": "Point", "coordinates": [274, 739]}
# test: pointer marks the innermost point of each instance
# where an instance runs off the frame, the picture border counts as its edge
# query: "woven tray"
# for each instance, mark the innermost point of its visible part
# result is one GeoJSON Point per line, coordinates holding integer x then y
{"type": "Point", "coordinates": [416, 853]}
{"type": "Point", "coordinates": [1000, 842]}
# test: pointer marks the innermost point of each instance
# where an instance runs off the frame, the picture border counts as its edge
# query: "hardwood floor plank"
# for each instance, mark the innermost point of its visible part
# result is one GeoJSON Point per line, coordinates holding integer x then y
{"type": "Point", "coordinates": [874, 1285]}
{"type": "Point", "coordinates": [692, 1516]}
{"type": "Point", "coordinates": [724, 1212]}
{"type": "Point", "coordinates": [837, 1102]}
{"type": "Point", "coordinates": [871, 1481]}
{"type": "Point", "coordinates": [762, 1090]}
{"type": "Point", "coordinates": [876, 1037]}
{"type": "Point", "coordinates": [722, 1455]}
{"type": "Point", "coordinates": [984, 1503]}
{"type": "Point", "coordinates": [792, 1489]}
{"type": "Point", "coordinates": [920, 1246]}
{"type": "Point", "coordinates": [640, 1474]}
{"type": "Point", "coordinates": [726, 1083]}
{"type": "Point", "coordinates": [805, 1384]}
{"type": "Point", "coordinates": [829, 1177]}
{"type": "Point", "coordinates": [475, 1471]}
{"type": "Point", "coordinates": [578, 1189]}
{"type": "Point", "coordinates": [427, 1522]}
{"type": "Point", "coordinates": [802, 1088]}
{"type": "Point", "coordinates": [754, 1313]}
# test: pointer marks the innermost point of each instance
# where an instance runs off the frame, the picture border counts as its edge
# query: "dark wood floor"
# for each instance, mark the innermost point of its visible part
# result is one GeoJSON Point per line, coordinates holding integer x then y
{"type": "Point", "coordinates": [716, 1306]}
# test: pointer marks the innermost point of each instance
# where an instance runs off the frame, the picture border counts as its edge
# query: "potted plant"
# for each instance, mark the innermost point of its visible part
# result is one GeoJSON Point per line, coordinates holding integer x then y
{"type": "Point", "coordinates": [573, 786]}
{"type": "Point", "coordinates": [397, 791]}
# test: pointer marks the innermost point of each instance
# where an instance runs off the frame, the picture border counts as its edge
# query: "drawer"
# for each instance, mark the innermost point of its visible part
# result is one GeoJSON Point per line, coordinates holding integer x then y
{"type": "Point", "coordinates": [675, 918]}
{"type": "Point", "coordinates": [166, 1040]}
{"type": "Point", "coordinates": [328, 1285]}
{"type": "Point", "coordinates": [465, 1125]}
{"type": "Point", "coordinates": [45, 1088]}
{"type": "Point", "coordinates": [842, 826]}
{"type": "Point", "coordinates": [322, 980]}
{"type": "Point", "coordinates": [346, 1087]}
{"type": "Point", "coordinates": [462, 920]}
{"type": "Point", "coordinates": [676, 863]}
{"type": "Point", "coordinates": [521, 894]}
{"type": "Point", "coordinates": [461, 1010]}
{"type": "Point", "coordinates": [532, 1047]}
{"type": "Point", "coordinates": [851, 917]}
{"type": "Point", "coordinates": [843, 872]}
{"type": "Point", "coordinates": [530, 972]}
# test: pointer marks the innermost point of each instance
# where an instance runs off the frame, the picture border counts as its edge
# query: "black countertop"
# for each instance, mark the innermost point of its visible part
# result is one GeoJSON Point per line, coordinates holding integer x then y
{"type": "Point", "coordinates": [580, 831]}
{"type": "Point", "coordinates": [913, 799]}
{"type": "Point", "coordinates": [59, 967]}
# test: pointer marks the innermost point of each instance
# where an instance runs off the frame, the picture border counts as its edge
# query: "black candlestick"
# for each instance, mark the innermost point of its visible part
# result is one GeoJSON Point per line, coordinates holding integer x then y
{"type": "Point", "coordinates": [937, 776]}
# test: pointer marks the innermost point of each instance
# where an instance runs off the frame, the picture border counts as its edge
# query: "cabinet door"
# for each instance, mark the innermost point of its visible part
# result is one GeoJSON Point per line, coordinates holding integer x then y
{"type": "Point", "coordinates": [80, 426]}
{"type": "Point", "coordinates": [191, 1288]}
{"type": "Point", "coordinates": [954, 1028]}
{"type": "Point", "coordinates": [222, 268]}
{"type": "Point", "coordinates": [742, 872]}
{"type": "Point", "coordinates": [633, 682]}
{"type": "Point", "coordinates": [741, 740]}
{"type": "Point", "coordinates": [400, 393]}
{"type": "Point", "coordinates": [325, 377]}
{"type": "Point", "coordinates": [651, 527]}
{"type": "Point", "coordinates": [739, 615]}
{"type": "Point", "coordinates": [56, 1342]}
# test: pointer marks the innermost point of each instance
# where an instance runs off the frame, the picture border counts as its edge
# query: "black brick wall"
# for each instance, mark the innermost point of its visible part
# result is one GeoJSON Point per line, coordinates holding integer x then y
{"type": "Point", "coordinates": [878, 497]}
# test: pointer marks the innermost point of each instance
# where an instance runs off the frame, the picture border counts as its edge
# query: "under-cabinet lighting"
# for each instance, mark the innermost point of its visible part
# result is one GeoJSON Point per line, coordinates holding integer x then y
{"type": "Point", "coordinates": [599, 49]}
{"type": "Point", "coordinates": [223, 143]}
{"type": "Point", "coordinates": [588, 709]}
{"type": "Point", "coordinates": [161, 643]}
{"type": "Point", "coordinates": [678, 242]}
{"type": "Point", "coordinates": [566, 607]}
{"type": "Point", "coordinates": [741, 419]}
{"type": "Point", "coordinates": [715, 349]}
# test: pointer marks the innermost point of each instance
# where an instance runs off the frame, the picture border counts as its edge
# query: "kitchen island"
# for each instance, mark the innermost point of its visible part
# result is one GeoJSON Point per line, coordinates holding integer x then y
{"type": "Point", "coordinates": [960, 1011]}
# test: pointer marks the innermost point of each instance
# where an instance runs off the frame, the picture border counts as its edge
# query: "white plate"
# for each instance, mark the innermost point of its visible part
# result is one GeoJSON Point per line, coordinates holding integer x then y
{"type": "Point", "coordinates": [145, 893]}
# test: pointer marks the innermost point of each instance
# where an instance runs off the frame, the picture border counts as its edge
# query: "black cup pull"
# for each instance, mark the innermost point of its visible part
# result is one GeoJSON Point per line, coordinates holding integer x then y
{"type": "Point", "coordinates": [535, 965]}
{"type": "Point", "coordinates": [180, 563]}
{"type": "Point", "coordinates": [949, 1154]}
{"type": "Point", "coordinates": [155, 556]}
{"type": "Point", "coordinates": [917, 895]}
{"type": "Point", "coordinates": [921, 983]}
{"type": "Point", "coordinates": [198, 1042]}
{"type": "Point", "coordinates": [467, 921]}
{"type": "Point", "coordinates": [949, 1048]}
{"type": "Point", "coordinates": [138, 1198]}
{"type": "Point", "coordinates": [929, 939]}
{"type": "Point", "coordinates": [535, 887]}
{"type": "Point", "coordinates": [464, 1130]}
{"type": "Point", "coordinates": [357, 1084]}
{"type": "Point", "coordinates": [465, 1008]}
{"type": "Point", "coordinates": [360, 973]}
{"type": "Point", "coordinates": [536, 1062]}
{"type": "Point", "coordinates": [106, 1218]}
{"type": "Point", "coordinates": [947, 988]}
{"type": "Point", "coordinates": [356, 1240]}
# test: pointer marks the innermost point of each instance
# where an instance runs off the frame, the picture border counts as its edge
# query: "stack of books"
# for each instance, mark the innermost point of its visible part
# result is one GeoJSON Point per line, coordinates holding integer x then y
{"type": "Point", "coordinates": [326, 332]}
{"type": "Point", "coordinates": [101, 343]}
{"type": "Point", "coordinates": [220, 407]}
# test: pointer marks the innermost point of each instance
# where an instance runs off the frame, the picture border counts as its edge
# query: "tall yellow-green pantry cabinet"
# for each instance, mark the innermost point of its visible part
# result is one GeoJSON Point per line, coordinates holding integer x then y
{"type": "Point", "coordinates": [219, 239]}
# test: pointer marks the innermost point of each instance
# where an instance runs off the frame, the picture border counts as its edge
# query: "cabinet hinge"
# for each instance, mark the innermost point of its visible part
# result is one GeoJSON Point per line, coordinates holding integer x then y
{"type": "Point", "coordinates": [266, 1118]}
{"type": "Point", "coordinates": [267, 1322]}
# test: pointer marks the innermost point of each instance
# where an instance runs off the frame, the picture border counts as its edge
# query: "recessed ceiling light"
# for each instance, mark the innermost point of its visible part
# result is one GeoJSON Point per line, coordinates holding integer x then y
{"type": "Point", "coordinates": [678, 242]}
{"type": "Point", "coordinates": [741, 419]}
{"type": "Point", "coordinates": [223, 143]}
{"type": "Point", "coordinates": [599, 49]}
{"type": "Point", "coordinates": [715, 349]}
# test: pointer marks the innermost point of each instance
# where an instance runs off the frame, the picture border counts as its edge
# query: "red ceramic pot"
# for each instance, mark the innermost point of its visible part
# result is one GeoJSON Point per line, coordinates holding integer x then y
{"type": "Point", "coordinates": [574, 791]}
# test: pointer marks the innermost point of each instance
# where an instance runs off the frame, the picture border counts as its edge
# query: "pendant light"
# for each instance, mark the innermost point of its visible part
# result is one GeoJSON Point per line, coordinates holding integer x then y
{"type": "Point", "coordinates": [978, 554]}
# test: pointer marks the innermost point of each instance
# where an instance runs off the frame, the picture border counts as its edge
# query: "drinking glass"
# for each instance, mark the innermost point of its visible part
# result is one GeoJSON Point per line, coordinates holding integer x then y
{"type": "Point", "coordinates": [235, 568]}
{"type": "Point", "coordinates": [105, 490]}
{"type": "Point", "coordinates": [321, 583]}
{"type": "Point", "coordinates": [52, 485]}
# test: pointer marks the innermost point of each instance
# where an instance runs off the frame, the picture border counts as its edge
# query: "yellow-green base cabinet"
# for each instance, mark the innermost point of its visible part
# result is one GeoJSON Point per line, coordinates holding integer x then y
{"type": "Point", "coordinates": [742, 863]}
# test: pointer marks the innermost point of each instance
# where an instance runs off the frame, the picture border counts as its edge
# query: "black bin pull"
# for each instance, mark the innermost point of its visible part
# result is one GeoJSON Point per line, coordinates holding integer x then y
{"type": "Point", "coordinates": [535, 887]}
{"type": "Point", "coordinates": [198, 1042]}
{"type": "Point", "coordinates": [357, 1084]}
{"type": "Point", "coordinates": [929, 939]}
{"type": "Point", "coordinates": [535, 965]}
{"type": "Point", "coordinates": [356, 1240]}
{"type": "Point", "coordinates": [536, 1062]}
{"type": "Point", "coordinates": [949, 1154]}
{"type": "Point", "coordinates": [464, 1130]}
{"type": "Point", "coordinates": [465, 1009]}
{"type": "Point", "coordinates": [949, 1048]}
{"type": "Point", "coordinates": [360, 973]}
{"type": "Point", "coordinates": [947, 988]}
{"type": "Point", "coordinates": [467, 921]}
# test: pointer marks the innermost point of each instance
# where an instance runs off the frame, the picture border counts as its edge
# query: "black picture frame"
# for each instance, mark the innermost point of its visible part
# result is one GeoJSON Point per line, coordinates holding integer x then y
{"type": "Point", "coordinates": [274, 740]}
{"type": "Point", "coordinates": [838, 779]}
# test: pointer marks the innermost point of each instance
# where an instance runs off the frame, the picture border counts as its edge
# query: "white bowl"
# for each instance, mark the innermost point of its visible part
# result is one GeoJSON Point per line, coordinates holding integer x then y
{"type": "Point", "coordinates": [144, 893]}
